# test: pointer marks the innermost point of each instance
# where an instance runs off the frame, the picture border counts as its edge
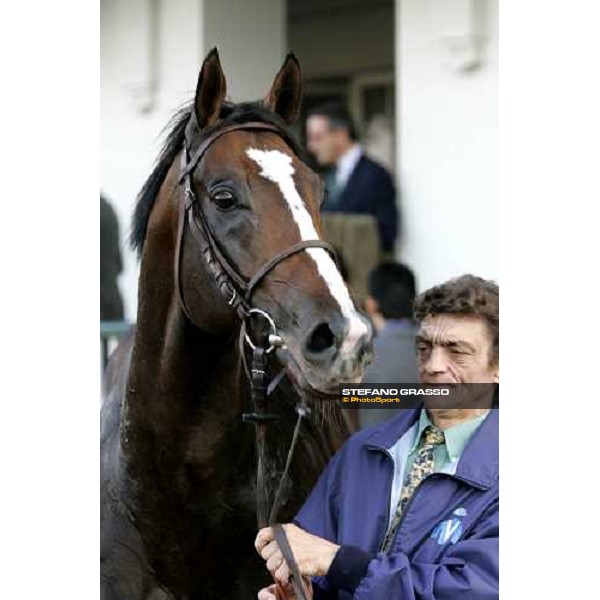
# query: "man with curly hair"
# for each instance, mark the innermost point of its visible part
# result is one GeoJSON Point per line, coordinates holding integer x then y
{"type": "Point", "coordinates": [409, 508]}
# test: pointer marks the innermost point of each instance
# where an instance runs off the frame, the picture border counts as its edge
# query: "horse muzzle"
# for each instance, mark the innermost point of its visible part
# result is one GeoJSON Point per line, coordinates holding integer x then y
{"type": "Point", "coordinates": [333, 351]}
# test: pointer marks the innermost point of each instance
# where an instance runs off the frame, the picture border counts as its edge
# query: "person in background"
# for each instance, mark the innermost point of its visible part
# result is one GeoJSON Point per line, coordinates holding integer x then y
{"type": "Point", "coordinates": [111, 303]}
{"type": "Point", "coordinates": [354, 183]}
{"type": "Point", "coordinates": [392, 291]}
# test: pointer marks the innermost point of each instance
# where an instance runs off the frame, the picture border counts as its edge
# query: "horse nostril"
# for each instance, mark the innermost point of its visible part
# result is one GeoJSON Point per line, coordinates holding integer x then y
{"type": "Point", "coordinates": [320, 340]}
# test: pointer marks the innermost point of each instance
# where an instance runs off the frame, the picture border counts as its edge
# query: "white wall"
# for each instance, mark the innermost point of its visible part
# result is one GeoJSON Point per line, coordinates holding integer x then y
{"type": "Point", "coordinates": [252, 47]}
{"type": "Point", "coordinates": [447, 142]}
{"type": "Point", "coordinates": [130, 139]}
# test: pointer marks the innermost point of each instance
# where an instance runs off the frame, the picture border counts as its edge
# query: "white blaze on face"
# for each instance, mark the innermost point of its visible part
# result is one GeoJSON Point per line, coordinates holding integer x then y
{"type": "Point", "coordinates": [277, 167]}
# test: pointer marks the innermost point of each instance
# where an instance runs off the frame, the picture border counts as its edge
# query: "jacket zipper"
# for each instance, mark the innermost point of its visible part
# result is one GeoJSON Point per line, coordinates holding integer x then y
{"type": "Point", "coordinates": [389, 494]}
{"type": "Point", "coordinates": [394, 527]}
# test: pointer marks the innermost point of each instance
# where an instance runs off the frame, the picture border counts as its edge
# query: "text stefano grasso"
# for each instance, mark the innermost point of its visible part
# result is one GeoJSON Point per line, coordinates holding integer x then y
{"type": "Point", "coordinates": [410, 391]}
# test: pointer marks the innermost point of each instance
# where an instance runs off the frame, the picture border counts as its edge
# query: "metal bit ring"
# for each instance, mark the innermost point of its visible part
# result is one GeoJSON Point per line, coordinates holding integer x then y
{"type": "Point", "coordinates": [274, 340]}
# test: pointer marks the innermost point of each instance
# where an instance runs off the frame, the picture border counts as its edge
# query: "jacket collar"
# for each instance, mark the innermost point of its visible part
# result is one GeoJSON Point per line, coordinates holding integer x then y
{"type": "Point", "coordinates": [478, 465]}
{"type": "Point", "coordinates": [352, 178]}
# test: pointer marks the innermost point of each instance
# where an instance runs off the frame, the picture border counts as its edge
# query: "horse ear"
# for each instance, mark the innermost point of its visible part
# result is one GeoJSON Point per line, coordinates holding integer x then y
{"type": "Point", "coordinates": [210, 91]}
{"type": "Point", "coordinates": [285, 95]}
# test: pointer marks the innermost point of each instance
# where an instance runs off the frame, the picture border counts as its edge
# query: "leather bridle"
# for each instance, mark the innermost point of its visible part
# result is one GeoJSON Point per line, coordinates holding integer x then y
{"type": "Point", "coordinates": [238, 291]}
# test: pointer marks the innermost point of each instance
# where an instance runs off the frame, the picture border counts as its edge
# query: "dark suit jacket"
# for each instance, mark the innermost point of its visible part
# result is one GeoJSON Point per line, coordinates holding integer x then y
{"type": "Point", "coordinates": [370, 190]}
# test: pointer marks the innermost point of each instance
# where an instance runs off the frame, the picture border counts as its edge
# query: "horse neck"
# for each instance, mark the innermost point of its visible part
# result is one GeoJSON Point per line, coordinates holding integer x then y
{"type": "Point", "coordinates": [178, 373]}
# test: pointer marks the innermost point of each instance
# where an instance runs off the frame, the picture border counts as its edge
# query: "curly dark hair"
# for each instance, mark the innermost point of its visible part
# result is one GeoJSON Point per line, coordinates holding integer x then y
{"type": "Point", "coordinates": [464, 295]}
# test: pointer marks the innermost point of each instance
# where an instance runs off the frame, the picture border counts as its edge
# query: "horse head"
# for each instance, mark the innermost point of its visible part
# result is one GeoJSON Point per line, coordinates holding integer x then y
{"type": "Point", "coordinates": [251, 197]}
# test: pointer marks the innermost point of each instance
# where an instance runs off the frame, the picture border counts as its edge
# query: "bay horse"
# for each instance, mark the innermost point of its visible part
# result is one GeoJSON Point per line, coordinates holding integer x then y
{"type": "Point", "coordinates": [178, 464]}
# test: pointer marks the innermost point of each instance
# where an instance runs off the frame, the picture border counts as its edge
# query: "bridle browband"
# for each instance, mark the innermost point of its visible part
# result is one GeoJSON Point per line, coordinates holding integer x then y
{"type": "Point", "coordinates": [238, 291]}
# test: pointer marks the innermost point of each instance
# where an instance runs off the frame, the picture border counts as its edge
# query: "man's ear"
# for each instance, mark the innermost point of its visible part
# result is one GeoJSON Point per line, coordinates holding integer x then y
{"type": "Point", "coordinates": [285, 96]}
{"type": "Point", "coordinates": [371, 305]}
{"type": "Point", "coordinates": [496, 376]}
{"type": "Point", "coordinates": [210, 91]}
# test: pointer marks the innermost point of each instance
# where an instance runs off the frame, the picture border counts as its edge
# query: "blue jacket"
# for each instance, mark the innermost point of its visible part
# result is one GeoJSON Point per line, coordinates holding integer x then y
{"type": "Point", "coordinates": [370, 190]}
{"type": "Point", "coordinates": [447, 545]}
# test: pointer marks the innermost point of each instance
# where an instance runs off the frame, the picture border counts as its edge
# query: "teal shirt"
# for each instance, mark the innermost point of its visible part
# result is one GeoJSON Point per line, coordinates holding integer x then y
{"type": "Point", "coordinates": [445, 456]}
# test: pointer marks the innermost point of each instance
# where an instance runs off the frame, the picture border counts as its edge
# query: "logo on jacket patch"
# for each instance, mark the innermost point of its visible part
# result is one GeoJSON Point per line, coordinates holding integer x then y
{"type": "Point", "coordinates": [449, 530]}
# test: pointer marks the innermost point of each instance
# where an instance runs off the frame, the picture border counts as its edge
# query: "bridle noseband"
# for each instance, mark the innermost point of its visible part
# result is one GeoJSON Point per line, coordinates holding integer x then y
{"type": "Point", "coordinates": [238, 291]}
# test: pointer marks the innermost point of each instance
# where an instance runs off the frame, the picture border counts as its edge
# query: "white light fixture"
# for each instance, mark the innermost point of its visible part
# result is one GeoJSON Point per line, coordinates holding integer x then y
{"type": "Point", "coordinates": [464, 34]}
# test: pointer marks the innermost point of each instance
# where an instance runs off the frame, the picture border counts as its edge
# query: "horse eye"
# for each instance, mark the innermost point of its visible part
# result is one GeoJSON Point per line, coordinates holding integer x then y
{"type": "Point", "coordinates": [224, 200]}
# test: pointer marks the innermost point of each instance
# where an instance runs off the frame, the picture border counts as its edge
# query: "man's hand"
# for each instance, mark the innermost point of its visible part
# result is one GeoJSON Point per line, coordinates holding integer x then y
{"type": "Point", "coordinates": [285, 591]}
{"type": "Point", "coordinates": [313, 554]}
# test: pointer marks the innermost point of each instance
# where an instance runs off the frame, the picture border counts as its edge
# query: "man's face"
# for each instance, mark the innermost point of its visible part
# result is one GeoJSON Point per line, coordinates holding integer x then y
{"type": "Point", "coordinates": [322, 141]}
{"type": "Point", "coordinates": [455, 348]}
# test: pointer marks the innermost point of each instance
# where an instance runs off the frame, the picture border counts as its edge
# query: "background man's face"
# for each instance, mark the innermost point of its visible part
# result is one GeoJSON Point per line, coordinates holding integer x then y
{"type": "Point", "coordinates": [454, 348]}
{"type": "Point", "coordinates": [322, 141]}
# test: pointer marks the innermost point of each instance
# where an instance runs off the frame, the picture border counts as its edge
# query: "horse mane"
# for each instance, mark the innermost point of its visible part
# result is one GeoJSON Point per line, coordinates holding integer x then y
{"type": "Point", "coordinates": [174, 133]}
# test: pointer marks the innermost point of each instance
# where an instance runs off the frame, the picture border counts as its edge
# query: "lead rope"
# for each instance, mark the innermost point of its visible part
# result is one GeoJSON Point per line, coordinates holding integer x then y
{"type": "Point", "coordinates": [261, 418]}
{"type": "Point", "coordinates": [278, 530]}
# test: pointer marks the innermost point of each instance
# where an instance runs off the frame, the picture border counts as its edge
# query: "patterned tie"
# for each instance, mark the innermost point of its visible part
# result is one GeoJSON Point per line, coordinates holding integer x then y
{"type": "Point", "coordinates": [421, 468]}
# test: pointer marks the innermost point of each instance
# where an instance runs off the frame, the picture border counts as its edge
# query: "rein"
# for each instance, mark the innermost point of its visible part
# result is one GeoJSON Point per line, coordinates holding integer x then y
{"type": "Point", "coordinates": [238, 291]}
